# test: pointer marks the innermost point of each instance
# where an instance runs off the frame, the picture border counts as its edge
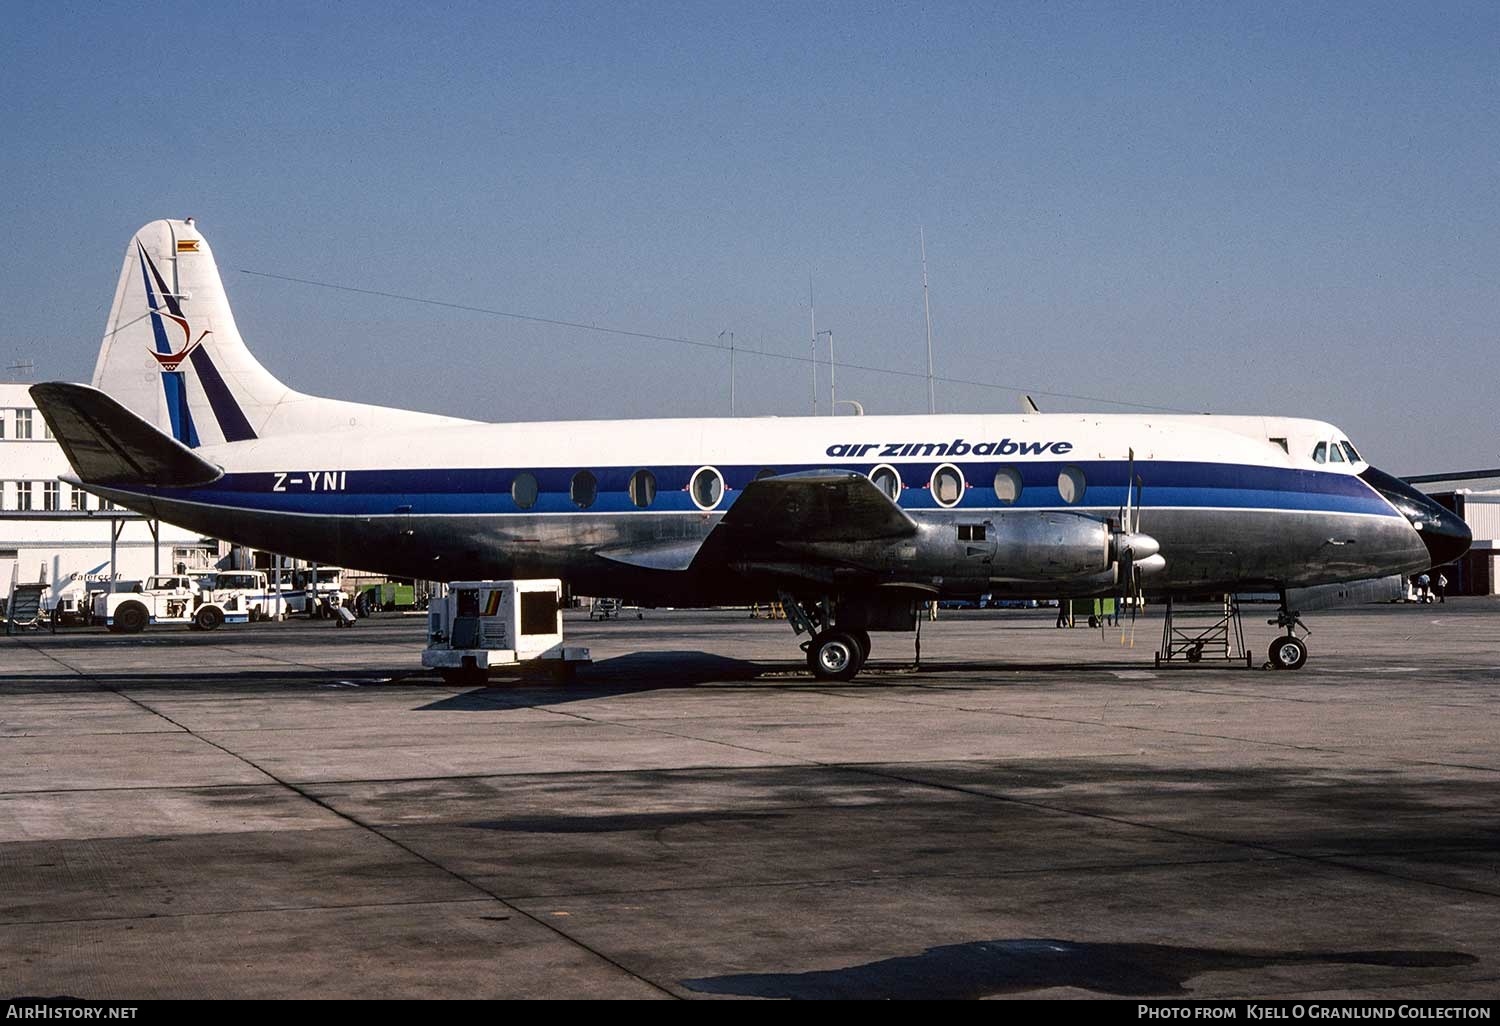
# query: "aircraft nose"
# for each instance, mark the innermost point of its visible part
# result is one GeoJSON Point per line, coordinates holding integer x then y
{"type": "Point", "coordinates": [1446, 536]}
{"type": "Point", "coordinates": [1444, 533]}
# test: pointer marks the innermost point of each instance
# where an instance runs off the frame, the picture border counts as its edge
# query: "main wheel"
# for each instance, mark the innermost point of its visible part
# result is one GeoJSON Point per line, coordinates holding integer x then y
{"type": "Point", "coordinates": [131, 618]}
{"type": "Point", "coordinates": [834, 655]}
{"type": "Point", "coordinates": [208, 618]}
{"type": "Point", "coordinates": [862, 639]}
{"type": "Point", "coordinates": [1288, 653]}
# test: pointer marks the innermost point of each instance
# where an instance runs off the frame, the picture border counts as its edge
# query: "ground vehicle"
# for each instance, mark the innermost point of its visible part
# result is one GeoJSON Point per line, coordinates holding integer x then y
{"type": "Point", "coordinates": [249, 587]}
{"type": "Point", "coordinates": [483, 625]}
{"type": "Point", "coordinates": [166, 598]}
{"type": "Point", "coordinates": [70, 601]}
{"type": "Point", "coordinates": [387, 597]}
{"type": "Point", "coordinates": [301, 592]}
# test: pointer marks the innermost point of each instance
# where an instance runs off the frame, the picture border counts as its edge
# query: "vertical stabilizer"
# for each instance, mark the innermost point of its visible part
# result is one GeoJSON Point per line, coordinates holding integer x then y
{"type": "Point", "coordinates": [173, 356]}
{"type": "Point", "coordinates": [171, 352]}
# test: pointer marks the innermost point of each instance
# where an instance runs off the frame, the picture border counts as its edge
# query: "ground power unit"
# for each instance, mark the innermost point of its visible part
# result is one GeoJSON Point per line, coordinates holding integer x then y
{"type": "Point", "coordinates": [480, 626]}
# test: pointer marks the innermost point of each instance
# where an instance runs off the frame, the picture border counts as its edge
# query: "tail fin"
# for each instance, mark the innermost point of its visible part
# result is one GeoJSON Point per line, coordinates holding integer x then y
{"type": "Point", "coordinates": [173, 356]}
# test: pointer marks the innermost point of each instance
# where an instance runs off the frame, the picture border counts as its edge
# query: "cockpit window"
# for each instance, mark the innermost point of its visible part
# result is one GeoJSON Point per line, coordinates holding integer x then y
{"type": "Point", "coordinates": [1349, 450]}
{"type": "Point", "coordinates": [1335, 454]}
{"type": "Point", "coordinates": [1320, 454]}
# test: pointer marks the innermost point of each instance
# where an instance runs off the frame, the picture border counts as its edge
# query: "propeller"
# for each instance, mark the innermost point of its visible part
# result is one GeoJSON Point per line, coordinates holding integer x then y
{"type": "Point", "coordinates": [1136, 554]}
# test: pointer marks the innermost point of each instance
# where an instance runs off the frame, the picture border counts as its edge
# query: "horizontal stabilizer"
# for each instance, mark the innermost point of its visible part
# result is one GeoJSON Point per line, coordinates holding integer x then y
{"type": "Point", "coordinates": [817, 505]}
{"type": "Point", "coordinates": [107, 444]}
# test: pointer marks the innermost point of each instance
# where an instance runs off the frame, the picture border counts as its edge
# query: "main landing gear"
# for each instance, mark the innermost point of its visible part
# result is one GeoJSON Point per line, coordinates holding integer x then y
{"type": "Point", "coordinates": [1288, 652]}
{"type": "Point", "coordinates": [837, 655]}
{"type": "Point", "coordinates": [833, 652]}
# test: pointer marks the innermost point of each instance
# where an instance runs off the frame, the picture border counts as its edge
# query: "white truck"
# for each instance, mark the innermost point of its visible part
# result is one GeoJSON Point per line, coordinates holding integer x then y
{"type": "Point", "coordinates": [318, 596]}
{"type": "Point", "coordinates": [165, 598]}
{"type": "Point", "coordinates": [243, 589]}
{"type": "Point", "coordinates": [479, 626]}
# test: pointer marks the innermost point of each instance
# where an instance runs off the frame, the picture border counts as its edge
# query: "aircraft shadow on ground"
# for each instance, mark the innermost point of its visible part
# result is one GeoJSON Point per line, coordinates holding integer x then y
{"type": "Point", "coordinates": [985, 968]}
{"type": "Point", "coordinates": [642, 672]}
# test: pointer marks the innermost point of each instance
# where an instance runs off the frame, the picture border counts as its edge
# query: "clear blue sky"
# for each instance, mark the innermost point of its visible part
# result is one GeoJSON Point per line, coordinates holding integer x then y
{"type": "Point", "coordinates": [1244, 208]}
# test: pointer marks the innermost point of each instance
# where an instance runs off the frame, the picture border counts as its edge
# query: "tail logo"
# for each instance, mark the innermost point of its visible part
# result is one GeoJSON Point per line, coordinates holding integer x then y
{"type": "Point", "coordinates": [165, 309]}
{"type": "Point", "coordinates": [170, 361]}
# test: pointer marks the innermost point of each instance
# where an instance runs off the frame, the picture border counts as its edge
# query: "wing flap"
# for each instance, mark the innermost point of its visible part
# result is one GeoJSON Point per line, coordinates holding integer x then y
{"type": "Point", "coordinates": [107, 444]}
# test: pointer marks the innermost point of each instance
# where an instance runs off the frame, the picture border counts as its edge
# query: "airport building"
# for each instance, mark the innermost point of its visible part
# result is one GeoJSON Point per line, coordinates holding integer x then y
{"type": "Point", "coordinates": [1479, 570]}
{"type": "Point", "coordinates": [54, 533]}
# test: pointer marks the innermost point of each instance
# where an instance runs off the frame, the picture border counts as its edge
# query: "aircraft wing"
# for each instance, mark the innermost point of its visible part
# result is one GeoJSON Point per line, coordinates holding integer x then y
{"type": "Point", "coordinates": [809, 506]}
{"type": "Point", "coordinates": [816, 506]}
{"type": "Point", "coordinates": [107, 444]}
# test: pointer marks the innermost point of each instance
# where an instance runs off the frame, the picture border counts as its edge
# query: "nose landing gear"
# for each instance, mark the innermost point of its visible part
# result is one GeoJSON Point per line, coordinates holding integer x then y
{"type": "Point", "coordinates": [1288, 652]}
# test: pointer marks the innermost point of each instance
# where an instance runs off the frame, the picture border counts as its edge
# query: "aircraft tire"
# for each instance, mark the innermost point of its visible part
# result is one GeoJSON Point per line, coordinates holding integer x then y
{"type": "Point", "coordinates": [131, 618]}
{"type": "Point", "coordinates": [834, 655]}
{"type": "Point", "coordinates": [1288, 653]}
{"type": "Point", "coordinates": [862, 638]}
{"type": "Point", "coordinates": [208, 619]}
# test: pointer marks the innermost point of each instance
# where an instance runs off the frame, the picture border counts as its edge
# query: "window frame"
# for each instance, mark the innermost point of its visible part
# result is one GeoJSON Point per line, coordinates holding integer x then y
{"type": "Point", "coordinates": [692, 488]}
{"type": "Point", "coordinates": [932, 481]}
{"type": "Point", "coordinates": [895, 474]}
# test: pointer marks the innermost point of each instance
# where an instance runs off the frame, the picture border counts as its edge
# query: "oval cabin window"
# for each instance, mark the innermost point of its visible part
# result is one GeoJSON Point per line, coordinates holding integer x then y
{"type": "Point", "coordinates": [642, 488]}
{"type": "Point", "coordinates": [888, 481]}
{"type": "Point", "coordinates": [584, 490]}
{"type": "Point", "coordinates": [1007, 484]}
{"type": "Point", "coordinates": [706, 487]}
{"type": "Point", "coordinates": [523, 490]}
{"type": "Point", "coordinates": [1071, 485]}
{"type": "Point", "coordinates": [947, 485]}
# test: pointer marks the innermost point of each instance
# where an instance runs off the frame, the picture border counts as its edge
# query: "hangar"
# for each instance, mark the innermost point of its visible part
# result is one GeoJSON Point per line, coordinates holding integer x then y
{"type": "Point", "coordinates": [1478, 503]}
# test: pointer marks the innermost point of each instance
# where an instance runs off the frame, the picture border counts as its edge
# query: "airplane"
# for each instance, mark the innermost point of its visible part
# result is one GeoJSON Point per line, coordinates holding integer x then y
{"type": "Point", "coordinates": [853, 523]}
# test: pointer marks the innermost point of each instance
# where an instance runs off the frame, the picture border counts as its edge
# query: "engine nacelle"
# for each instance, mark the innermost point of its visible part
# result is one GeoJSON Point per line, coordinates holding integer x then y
{"type": "Point", "coordinates": [1049, 545]}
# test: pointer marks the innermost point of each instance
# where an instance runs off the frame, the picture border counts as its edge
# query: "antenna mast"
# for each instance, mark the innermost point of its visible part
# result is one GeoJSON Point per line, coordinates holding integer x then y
{"type": "Point", "coordinates": [813, 316]}
{"type": "Point", "coordinates": [927, 308]}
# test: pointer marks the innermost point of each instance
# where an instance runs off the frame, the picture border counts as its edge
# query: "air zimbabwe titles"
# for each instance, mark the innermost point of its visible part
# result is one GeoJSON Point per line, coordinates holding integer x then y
{"type": "Point", "coordinates": [957, 447]}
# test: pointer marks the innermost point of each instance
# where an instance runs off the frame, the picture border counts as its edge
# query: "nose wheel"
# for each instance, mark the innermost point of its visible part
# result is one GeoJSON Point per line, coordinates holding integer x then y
{"type": "Point", "coordinates": [1288, 653]}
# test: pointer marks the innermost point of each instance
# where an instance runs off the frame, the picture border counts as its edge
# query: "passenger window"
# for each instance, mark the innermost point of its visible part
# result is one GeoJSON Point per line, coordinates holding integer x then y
{"type": "Point", "coordinates": [706, 488]}
{"type": "Point", "coordinates": [947, 485]}
{"type": "Point", "coordinates": [643, 488]}
{"type": "Point", "coordinates": [584, 489]}
{"type": "Point", "coordinates": [1007, 484]}
{"type": "Point", "coordinates": [888, 481]}
{"type": "Point", "coordinates": [1320, 454]}
{"type": "Point", "coordinates": [523, 490]}
{"type": "Point", "coordinates": [1071, 485]}
{"type": "Point", "coordinates": [1335, 455]}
